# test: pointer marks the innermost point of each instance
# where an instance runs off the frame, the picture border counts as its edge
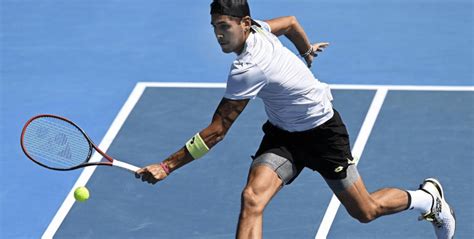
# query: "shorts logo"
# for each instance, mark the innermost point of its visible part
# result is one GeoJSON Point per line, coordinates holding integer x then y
{"type": "Point", "coordinates": [338, 169]}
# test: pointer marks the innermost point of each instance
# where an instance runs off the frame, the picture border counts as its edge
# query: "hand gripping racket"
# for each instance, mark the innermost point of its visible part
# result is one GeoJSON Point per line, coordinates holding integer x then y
{"type": "Point", "coordinates": [57, 143]}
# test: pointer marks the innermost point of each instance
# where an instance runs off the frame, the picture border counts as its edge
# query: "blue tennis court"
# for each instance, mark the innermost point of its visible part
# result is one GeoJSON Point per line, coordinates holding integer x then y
{"type": "Point", "coordinates": [141, 79]}
{"type": "Point", "coordinates": [208, 190]}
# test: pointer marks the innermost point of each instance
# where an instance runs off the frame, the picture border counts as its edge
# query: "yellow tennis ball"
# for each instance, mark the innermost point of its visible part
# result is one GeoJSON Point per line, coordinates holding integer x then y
{"type": "Point", "coordinates": [81, 194]}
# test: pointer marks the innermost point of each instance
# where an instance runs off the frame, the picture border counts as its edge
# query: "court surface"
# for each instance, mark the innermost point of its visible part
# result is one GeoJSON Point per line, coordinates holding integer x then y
{"type": "Point", "coordinates": [201, 200]}
{"type": "Point", "coordinates": [401, 73]}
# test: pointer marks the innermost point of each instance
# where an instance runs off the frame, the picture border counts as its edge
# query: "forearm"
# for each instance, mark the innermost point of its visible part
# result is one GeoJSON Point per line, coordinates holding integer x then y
{"type": "Point", "coordinates": [298, 37]}
{"type": "Point", "coordinates": [291, 28]}
{"type": "Point", "coordinates": [225, 115]}
{"type": "Point", "coordinates": [178, 159]}
{"type": "Point", "coordinates": [182, 157]}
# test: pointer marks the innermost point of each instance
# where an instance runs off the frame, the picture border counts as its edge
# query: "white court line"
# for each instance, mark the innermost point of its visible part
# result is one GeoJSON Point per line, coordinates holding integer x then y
{"type": "Point", "coordinates": [88, 171]}
{"type": "Point", "coordinates": [333, 86]}
{"type": "Point", "coordinates": [403, 87]}
{"type": "Point", "coordinates": [183, 84]}
{"type": "Point", "coordinates": [357, 150]}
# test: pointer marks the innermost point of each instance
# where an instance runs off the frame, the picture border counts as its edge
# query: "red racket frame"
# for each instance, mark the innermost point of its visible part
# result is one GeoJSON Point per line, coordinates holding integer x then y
{"type": "Point", "coordinates": [91, 146]}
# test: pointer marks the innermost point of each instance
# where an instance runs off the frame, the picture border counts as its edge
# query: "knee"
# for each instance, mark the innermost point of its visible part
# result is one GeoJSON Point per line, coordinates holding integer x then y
{"type": "Point", "coordinates": [251, 202]}
{"type": "Point", "coordinates": [364, 215]}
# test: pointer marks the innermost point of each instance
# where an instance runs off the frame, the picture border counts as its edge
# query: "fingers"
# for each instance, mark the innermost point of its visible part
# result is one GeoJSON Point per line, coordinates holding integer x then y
{"type": "Point", "coordinates": [149, 178]}
{"type": "Point", "coordinates": [139, 172]}
{"type": "Point", "coordinates": [322, 44]}
{"type": "Point", "coordinates": [319, 47]}
{"type": "Point", "coordinates": [151, 174]}
{"type": "Point", "coordinates": [316, 48]}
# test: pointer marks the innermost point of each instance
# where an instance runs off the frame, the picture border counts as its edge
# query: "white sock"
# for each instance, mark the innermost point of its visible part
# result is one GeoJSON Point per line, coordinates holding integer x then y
{"type": "Point", "coordinates": [420, 200]}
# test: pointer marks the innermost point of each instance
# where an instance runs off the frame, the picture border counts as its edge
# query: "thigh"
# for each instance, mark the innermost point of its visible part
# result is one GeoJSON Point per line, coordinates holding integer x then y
{"type": "Point", "coordinates": [343, 184]}
{"type": "Point", "coordinates": [328, 150]}
{"type": "Point", "coordinates": [277, 162]}
{"type": "Point", "coordinates": [275, 152]}
{"type": "Point", "coordinates": [354, 196]}
{"type": "Point", "coordinates": [263, 182]}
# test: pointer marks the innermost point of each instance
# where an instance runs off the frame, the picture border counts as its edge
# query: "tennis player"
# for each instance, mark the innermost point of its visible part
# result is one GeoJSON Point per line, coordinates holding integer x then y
{"type": "Point", "coordinates": [303, 129]}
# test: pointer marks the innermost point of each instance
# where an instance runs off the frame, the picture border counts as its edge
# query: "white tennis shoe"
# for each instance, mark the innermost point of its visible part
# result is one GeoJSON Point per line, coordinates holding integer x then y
{"type": "Point", "coordinates": [441, 214]}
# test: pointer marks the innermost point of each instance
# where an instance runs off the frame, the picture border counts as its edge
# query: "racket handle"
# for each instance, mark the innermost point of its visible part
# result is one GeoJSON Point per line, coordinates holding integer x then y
{"type": "Point", "coordinates": [125, 165]}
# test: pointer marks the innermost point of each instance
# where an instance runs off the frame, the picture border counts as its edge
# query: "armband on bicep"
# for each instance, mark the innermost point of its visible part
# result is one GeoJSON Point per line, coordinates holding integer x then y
{"type": "Point", "coordinates": [196, 146]}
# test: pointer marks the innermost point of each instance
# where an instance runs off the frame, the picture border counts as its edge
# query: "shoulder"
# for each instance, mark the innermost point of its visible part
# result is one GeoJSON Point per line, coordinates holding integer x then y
{"type": "Point", "coordinates": [244, 68]}
{"type": "Point", "coordinates": [245, 80]}
{"type": "Point", "coordinates": [264, 25]}
{"type": "Point", "coordinates": [245, 60]}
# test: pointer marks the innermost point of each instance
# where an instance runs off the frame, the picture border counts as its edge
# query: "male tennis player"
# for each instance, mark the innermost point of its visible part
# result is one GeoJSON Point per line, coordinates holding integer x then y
{"type": "Point", "coordinates": [303, 129]}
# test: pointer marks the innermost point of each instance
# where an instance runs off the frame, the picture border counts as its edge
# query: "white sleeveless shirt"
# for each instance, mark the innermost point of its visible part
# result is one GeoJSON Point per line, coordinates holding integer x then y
{"type": "Point", "coordinates": [294, 99]}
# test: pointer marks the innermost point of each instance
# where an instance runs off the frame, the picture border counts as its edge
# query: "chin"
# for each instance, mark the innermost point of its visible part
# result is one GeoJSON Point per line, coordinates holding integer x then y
{"type": "Point", "coordinates": [226, 50]}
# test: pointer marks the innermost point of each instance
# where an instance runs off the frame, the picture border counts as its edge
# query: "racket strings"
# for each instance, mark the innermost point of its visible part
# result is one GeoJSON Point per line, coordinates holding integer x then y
{"type": "Point", "coordinates": [56, 143]}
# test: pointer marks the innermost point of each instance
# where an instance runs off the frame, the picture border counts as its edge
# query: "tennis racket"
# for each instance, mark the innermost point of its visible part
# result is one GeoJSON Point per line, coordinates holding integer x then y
{"type": "Point", "coordinates": [57, 143]}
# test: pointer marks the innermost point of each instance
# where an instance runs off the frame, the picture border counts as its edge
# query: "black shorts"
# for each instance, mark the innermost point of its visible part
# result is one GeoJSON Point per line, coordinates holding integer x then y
{"type": "Point", "coordinates": [325, 149]}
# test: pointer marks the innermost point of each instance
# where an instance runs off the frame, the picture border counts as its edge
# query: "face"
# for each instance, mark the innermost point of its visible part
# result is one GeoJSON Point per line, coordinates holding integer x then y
{"type": "Point", "coordinates": [230, 32]}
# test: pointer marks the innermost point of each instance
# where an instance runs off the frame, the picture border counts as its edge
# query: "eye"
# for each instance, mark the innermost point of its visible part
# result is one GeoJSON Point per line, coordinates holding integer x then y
{"type": "Point", "coordinates": [224, 27]}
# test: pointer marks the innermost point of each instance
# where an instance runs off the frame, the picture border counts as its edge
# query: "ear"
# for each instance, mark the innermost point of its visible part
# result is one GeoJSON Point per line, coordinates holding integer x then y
{"type": "Point", "coordinates": [246, 23]}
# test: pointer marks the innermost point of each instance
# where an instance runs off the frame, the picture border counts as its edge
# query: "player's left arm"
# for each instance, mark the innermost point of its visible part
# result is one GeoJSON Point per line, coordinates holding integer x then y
{"type": "Point", "coordinates": [225, 115]}
{"type": "Point", "coordinates": [292, 29]}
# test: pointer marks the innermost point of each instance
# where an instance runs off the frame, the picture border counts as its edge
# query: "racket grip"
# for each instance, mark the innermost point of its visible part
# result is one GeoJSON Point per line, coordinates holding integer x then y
{"type": "Point", "coordinates": [125, 165]}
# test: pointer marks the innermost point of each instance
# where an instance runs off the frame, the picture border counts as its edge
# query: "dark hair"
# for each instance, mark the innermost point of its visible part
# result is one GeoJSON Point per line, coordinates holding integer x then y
{"type": "Point", "coordinates": [234, 8]}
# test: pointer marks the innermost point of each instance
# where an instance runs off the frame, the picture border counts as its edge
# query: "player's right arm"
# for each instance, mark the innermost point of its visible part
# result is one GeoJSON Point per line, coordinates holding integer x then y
{"type": "Point", "coordinates": [292, 29]}
{"type": "Point", "coordinates": [224, 116]}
